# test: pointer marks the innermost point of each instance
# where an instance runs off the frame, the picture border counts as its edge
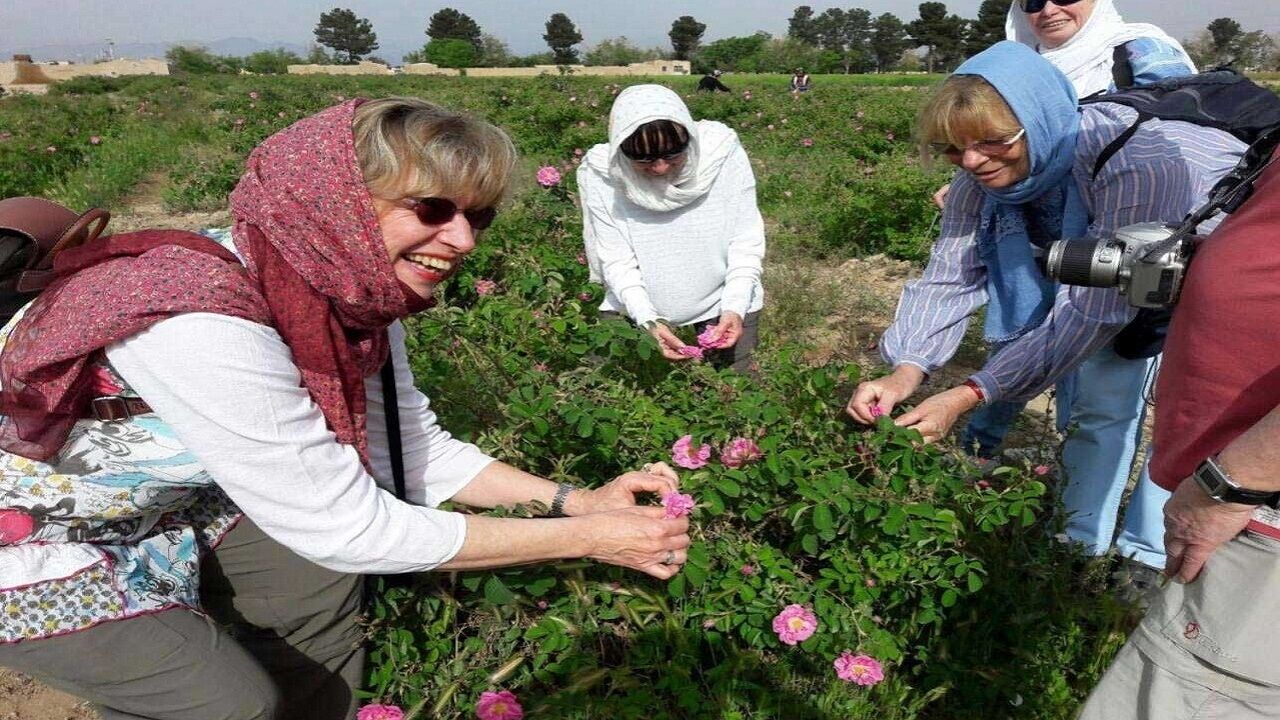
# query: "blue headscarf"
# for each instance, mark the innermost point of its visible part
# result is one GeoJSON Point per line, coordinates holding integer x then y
{"type": "Point", "coordinates": [1043, 100]}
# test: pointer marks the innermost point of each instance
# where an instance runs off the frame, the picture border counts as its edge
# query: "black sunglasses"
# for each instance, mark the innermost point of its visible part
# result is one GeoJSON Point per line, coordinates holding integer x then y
{"type": "Point", "coordinates": [1035, 6]}
{"type": "Point", "coordinates": [668, 156]}
{"type": "Point", "coordinates": [438, 211]}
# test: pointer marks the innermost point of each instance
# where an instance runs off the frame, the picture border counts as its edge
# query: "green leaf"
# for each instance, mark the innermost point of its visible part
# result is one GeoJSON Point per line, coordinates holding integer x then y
{"type": "Point", "coordinates": [496, 592]}
{"type": "Point", "coordinates": [822, 519]}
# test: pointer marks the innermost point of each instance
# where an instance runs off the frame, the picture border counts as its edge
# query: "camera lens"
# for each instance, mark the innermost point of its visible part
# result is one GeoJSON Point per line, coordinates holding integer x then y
{"type": "Point", "coordinates": [1094, 263]}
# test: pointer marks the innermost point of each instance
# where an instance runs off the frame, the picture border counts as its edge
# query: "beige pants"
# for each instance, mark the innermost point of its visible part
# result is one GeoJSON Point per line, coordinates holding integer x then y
{"type": "Point", "coordinates": [282, 644]}
{"type": "Point", "coordinates": [1205, 651]}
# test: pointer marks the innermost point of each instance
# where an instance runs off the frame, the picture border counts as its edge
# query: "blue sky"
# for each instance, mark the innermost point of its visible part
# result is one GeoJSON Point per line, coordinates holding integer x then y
{"type": "Point", "coordinates": [401, 23]}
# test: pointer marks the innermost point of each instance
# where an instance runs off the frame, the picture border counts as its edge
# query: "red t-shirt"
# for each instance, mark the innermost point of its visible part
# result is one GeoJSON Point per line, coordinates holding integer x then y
{"type": "Point", "coordinates": [1221, 369]}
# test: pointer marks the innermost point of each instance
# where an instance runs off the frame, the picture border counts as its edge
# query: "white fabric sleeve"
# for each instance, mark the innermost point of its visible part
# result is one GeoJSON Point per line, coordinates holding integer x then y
{"type": "Point", "coordinates": [436, 465]}
{"type": "Point", "coordinates": [618, 263]}
{"type": "Point", "coordinates": [231, 393]}
{"type": "Point", "coordinates": [747, 246]}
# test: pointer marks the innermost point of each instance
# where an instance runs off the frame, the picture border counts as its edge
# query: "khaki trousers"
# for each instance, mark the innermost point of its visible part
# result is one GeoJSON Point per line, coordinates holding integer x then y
{"type": "Point", "coordinates": [280, 643]}
{"type": "Point", "coordinates": [1205, 651]}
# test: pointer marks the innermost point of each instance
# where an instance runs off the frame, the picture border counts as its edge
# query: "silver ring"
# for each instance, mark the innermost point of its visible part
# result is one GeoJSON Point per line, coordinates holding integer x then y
{"type": "Point", "coordinates": [670, 559]}
{"type": "Point", "coordinates": [647, 467]}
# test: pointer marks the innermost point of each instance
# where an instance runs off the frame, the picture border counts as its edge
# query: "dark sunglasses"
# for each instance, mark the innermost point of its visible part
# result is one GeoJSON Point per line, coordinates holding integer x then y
{"type": "Point", "coordinates": [670, 156]}
{"type": "Point", "coordinates": [438, 211]}
{"type": "Point", "coordinates": [1035, 6]}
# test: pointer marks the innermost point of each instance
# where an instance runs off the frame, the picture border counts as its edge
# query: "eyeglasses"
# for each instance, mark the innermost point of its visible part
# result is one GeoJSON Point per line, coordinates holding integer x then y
{"type": "Point", "coordinates": [990, 148]}
{"type": "Point", "coordinates": [651, 159]}
{"type": "Point", "coordinates": [438, 211]}
{"type": "Point", "coordinates": [1035, 6]}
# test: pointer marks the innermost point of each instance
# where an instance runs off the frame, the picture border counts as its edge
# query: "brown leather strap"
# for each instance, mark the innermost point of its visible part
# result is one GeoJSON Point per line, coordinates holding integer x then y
{"type": "Point", "coordinates": [113, 408]}
{"type": "Point", "coordinates": [86, 228]}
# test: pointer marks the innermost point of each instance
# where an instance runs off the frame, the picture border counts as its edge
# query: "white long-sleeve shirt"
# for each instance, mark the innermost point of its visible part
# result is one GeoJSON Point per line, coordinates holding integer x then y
{"type": "Point", "coordinates": [684, 265]}
{"type": "Point", "coordinates": [230, 391]}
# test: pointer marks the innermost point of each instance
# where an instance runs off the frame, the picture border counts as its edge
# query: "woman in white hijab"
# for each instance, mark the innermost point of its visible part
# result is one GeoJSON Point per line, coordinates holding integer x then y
{"type": "Point", "coordinates": [671, 226]}
{"type": "Point", "coordinates": [1091, 44]}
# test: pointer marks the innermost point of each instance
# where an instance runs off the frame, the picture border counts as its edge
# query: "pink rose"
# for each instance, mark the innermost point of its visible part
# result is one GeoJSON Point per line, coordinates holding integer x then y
{"type": "Point", "coordinates": [705, 338]}
{"type": "Point", "coordinates": [677, 504]}
{"type": "Point", "coordinates": [876, 411]}
{"type": "Point", "coordinates": [5, 135]}
{"type": "Point", "coordinates": [740, 451]}
{"type": "Point", "coordinates": [795, 624]}
{"type": "Point", "coordinates": [253, 95]}
{"type": "Point", "coordinates": [548, 176]}
{"type": "Point", "coordinates": [692, 351]}
{"type": "Point", "coordinates": [1042, 470]}
{"type": "Point", "coordinates": [584, 297]}
{"type": "Point", "coordinates": [542, 605]}
{"type": "Point", "coordinates": [806, 142]}
{"type": "Point", "coordinates": [501, 705]}
{"type": "Point", "coordinates": [485, 287]}
{"type": "Point", "coordinates": [888, 136]}
{"type": "Point", "coordinates": [15, 526]}
{"type": "Point", "coordinates": [95, 140]}
{"type": "Point", "coordinates": [748, 569]}
{"type": "Point", "coordinates": [860, 669]}
{"type": "Point", "coordinates": [577, 152]}
{"type": "Point", "coordinates": [684, 454]}
{"type": "Point", "coordinates": [376, 711]}
{"type": "Point", "coordinates": [582, 259]}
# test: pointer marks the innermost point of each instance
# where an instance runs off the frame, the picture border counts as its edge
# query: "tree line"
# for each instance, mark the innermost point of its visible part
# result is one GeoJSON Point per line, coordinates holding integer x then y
{"type": "Point", "coordinates": [833, 41]}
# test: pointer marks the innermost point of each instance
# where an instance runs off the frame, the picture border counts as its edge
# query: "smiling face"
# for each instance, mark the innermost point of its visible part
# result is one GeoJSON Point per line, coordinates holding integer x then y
{"type": "Point", "coordinates": [1056, 24]}
{"type": "Point", "coordinates": [423, 256]}
{"type": "Point", "coordinates": [997, 170]}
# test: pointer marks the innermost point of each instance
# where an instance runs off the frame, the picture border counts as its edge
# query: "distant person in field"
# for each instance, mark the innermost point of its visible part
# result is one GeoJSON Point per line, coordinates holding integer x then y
{"type": "Point", "coordinates": [1008, 119]}
{"type": "Point", "coordinates": [711, 82]}
{"type": "Point", "coordinates": [191, 544]}
{"type": "Point", "coordinates": [671, 227]}
{"type": "Point", "coordinates": [800, 81]}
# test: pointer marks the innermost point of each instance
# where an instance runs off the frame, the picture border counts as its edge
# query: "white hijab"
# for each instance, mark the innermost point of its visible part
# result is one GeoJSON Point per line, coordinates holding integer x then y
{"type": "Point", "coordinates": [710, 145]}
{"type": "Point", "coordinates": [1086, 58]}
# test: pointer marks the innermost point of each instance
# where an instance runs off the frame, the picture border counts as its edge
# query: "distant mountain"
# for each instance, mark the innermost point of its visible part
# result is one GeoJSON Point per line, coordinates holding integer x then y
{"type": "Point", "coordinates": [238, 46]}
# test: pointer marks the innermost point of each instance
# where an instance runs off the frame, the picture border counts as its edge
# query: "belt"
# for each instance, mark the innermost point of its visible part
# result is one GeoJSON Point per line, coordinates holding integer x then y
{"type": "Point", "coordinates": [113, 408]}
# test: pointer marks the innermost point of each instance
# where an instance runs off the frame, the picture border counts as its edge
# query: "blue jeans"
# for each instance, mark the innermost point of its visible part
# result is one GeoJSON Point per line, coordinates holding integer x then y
{"type": "Point", "coordinates": [1100, 408]}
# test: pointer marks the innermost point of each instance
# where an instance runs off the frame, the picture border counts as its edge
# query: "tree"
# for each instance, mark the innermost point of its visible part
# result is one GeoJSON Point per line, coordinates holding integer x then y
{"type": "Point", "coordinates": [685, 35]}
{"type": "Point", "coordinates": [1224, 32]}
{"type": "Point", "coordinates": [450, 53]}
{"type": "Point", "coordinates": [617, 51]}
{"type": "Point", "coordinates": [561, 36]}
{"type": "Point", "coordinates": [271, 62]}
{"type": "Point", "coordinates": [450, 24]}
{"type": "Point", "coordinates": [1224, 42]}
{"type": "Point", "coordinates": [846, 34]}
{"type": "Point", "coordinates": [888, 41]}
{"type": "Point", "coordinates": [801, 26]}
{"type": "Point", "coordinates": [729, 53]}
{"type": "Point", "coordinates": [493, 52]}
{"type": "Point", "coordinates": [347, 34]}
{"type": "Point", "coordinates": [197, 60]}
{"type": "Point", "coordinates": [943, 34]}
{"type": "Point", "coordinates": [988, 29]}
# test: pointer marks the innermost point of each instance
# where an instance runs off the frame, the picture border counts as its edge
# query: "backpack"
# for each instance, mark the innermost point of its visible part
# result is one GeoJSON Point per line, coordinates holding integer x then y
{"type": "Point", "coordinates": [1221, 99]}
{"type": "Point", "coordinates": [32, 232]}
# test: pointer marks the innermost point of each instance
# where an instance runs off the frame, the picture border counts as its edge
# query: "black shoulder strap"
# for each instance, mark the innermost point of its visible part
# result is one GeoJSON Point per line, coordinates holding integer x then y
{"type": "Point", "coordinates": [1121, 67]}
{"type": "Point", "coordinates": [391, 407]}
{"type": "Point", "coordinates": [1115, 145]}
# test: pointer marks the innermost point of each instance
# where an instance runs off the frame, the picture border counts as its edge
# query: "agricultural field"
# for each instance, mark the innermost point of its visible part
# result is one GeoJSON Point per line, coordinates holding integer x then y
{"type": "Point", "coordinates": [903, 552]}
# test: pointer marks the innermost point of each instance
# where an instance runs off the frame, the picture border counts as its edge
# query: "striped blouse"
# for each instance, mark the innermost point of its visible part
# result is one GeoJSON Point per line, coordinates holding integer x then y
{"type": "Point", "coordinates": [1162, 173]}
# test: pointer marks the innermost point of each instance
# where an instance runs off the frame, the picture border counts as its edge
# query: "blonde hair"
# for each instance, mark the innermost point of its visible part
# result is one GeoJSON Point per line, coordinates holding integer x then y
{"type": "Point", "coordinates": [964, 109]}
{"type": "Point", "coordinates": [408, 147]}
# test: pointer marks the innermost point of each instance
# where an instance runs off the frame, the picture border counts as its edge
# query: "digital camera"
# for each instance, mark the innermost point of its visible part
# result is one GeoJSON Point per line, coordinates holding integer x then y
{"type": "Point", "coordinates": [1147, 262]}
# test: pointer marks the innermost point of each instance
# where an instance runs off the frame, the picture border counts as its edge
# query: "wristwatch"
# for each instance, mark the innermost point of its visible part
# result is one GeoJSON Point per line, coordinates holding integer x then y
{"type": "Point", "coordinates": [1218, 485]}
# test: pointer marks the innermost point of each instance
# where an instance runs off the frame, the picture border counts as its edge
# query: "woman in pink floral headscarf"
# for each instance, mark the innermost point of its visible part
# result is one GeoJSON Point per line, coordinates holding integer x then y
{"type": "Point", "coordinates": [191, 546]}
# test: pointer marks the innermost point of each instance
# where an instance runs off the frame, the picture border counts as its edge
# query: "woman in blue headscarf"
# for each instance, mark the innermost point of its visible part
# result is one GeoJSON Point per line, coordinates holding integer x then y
{"type": "Point", "coordinates": [1009, 120]}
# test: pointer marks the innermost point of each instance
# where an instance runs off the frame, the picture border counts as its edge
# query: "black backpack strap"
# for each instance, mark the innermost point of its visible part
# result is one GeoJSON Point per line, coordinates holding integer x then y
{"type": "Point", "coordinates": [1115, 145]}
{"type": "Point", "coordinates": [391, 406]}
{"type": "Point", "coordinates": [1121, 67]}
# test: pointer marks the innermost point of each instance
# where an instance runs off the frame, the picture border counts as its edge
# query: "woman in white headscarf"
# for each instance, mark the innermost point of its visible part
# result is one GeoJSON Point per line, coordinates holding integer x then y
{"type": "Point", "coordinates": [671, 226]}
{"type": "Point", "coordinates": [1091, 44]}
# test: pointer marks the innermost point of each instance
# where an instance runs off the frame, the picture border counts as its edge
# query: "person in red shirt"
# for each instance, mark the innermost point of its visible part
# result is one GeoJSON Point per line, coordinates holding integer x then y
{"type": "Point", "coordinates": [1205, 647]}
